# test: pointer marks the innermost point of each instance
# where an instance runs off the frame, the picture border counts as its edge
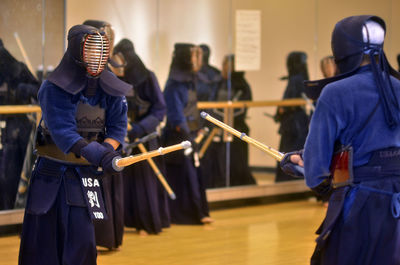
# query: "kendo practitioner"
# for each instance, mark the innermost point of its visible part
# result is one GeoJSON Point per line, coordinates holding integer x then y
{"type": "Point", "coordinates": [293, 120]}
{"type": "Point", "coordinates": [19, 87]}
{"type": "Point", "coordinates": [145, 200]}
{"type": "Point", "coordinates": [109, 232]}
{"type": "Point", "coordinates": [240, 173]}
{"type": "Point", "coordinates": [208, 81]}
{"type": "Point", "coordinates": [183, 119]}
{"type": "Point", "coordinates": [352, 149]}
{"type": "Point", "coordinates": [208, 77]}
{"type": "Point", "coordinates": [83, 123]}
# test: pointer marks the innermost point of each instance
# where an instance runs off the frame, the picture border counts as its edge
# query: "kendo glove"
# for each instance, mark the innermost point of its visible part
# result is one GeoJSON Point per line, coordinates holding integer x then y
{"type": "Point", "coordinates": [137, 131]}
{"type": "Point", "coordinates": [288, 167]}
{"type": "Point", "coordinates": [324, 189]}
{"type": "Point", "coordinates": [101, 155]}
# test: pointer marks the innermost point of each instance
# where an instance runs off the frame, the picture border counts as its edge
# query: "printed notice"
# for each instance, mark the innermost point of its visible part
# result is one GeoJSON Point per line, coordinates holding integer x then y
{"type": "Point", "coordinates": [248, 40]}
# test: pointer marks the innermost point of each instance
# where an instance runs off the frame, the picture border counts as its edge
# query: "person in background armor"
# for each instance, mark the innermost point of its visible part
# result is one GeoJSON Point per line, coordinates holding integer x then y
{"type": "Point", "coordinates": [190, 206]}
{"type": "Point", "coordinates": [109, 232]}
{"type": "Point", "coordinates": [240, 173]}
{"type": "Point", "coordinates": [145, 201]}
{"type": "Point", "coordinates": [208, 79]}
{"type": "Point", "coordinates": [351, 155]}
{"type": "Point", "coordinates": [83, 123]}
{"type": "Point", "coordinates": [293, 120]}
{"type": "Point", "coordinates": [19, 88]}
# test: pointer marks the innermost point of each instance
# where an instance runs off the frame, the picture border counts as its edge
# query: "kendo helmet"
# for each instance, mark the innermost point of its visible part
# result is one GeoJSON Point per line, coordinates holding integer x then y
{"type": "Point", "coordinates": [89, 47]}
{"type": "Point", "coordinates": [355, 36]}
{"type": "Point", "coordinates": [103, 26]}
{"type": "Point", "coordinates": [134, 69]}
{"type": "Point", "coordinates": [352, 39]}
{"type": "Point", "coordinates": [84, 63]}
{"type": "Point", "coordinates": [296, 63]}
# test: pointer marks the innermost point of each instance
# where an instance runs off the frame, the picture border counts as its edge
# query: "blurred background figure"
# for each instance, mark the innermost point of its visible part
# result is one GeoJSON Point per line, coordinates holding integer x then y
{"type": "Point", "coordinates": [109, 233]}
{"type": "Point", "coordinates": [183, 123]}
{"type": "Point", "coordinates": [145, 201]}
{"type": "Point", "coordinates": [328, 66]}
{"type": "Point", "coordinates": [18, 87]}
{"type": "Point", "coordinates": [293, 120]}
{"type": "Point", "coordinates": [209, 77]}
{"type": "Point", "coordinates": [240, 173]}
{"type": "Point", "coordinates": [208, 81]}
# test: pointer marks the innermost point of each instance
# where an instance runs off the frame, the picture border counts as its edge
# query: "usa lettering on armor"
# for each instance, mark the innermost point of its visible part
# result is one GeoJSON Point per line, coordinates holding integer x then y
{"type": "Point", "coordinates": [90, 182]}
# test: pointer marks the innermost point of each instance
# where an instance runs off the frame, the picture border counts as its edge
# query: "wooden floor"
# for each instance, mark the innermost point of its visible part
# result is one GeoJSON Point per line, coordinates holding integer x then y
{"type": "Point", "coordinates": [281, 233]}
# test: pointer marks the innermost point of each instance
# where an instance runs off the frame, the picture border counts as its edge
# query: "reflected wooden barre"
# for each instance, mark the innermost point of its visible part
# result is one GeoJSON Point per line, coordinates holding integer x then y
{"type": "Point", "coordinates": [269, 150]}
{"type": "Point", "coordinates": [18, 109]}
{"type": "Point", "coordinates": [246, 104]}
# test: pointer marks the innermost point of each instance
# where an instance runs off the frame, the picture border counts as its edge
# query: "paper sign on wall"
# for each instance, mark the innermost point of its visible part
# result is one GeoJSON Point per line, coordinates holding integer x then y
{"type": "Point", "coordinates": [248, 40]}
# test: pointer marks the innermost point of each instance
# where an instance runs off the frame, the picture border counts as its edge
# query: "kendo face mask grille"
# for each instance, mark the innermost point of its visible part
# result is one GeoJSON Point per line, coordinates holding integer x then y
{"type": "Point", "coordinates": [96, 50]}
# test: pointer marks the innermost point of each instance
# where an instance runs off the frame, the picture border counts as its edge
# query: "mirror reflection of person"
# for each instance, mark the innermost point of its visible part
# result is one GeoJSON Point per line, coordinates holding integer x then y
{"type": "Point", "coordinates": [145, 201]}
{"type": "Point", "coordinates": [209, 77]}
{"type": "Point", "coordinates": [240, 173]}
{"type": "Point", "coordinates": [293, 120]}
{"type": "Point", "coordinates": [18, 87]}
{"type": "Point", "coordinates": [183, 123]}
{"type": "Point", "coordinates": [208, 81]}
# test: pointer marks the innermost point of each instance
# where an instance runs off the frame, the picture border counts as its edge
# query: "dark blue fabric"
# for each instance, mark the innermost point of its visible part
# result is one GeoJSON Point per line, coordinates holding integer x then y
{"type": "Point", "coordinates": [176, 98]}
{"type": "Point", "coordinates": [341, 109]}
{"type": "Point", "coordinates": [56, 103]}
{"type": "Point", "coordinates": [100, 155]}
{"type": "Point", "coordinates": [15, 138]}
{"type": "Point", "coordinates": [94, 152]}
{"type": "Point", "coordinates": [145, 200]}
{"type": "Point", "coordinates": [207, 83]}
{"type": "Point", "coordinates": [240, 173]}
{"type": "Point", "coordinates": [359, 227]}
{"type": "Point", "coordinates": [57, 228]}
{"type": "Point", "coordinates": [190, 205]}
{"type": "Point", "coordinates": [150, 91]}
{"type": "Point", "coordinates": [109, 233]}
{"type": "Point", "coordinates": [293, 122]}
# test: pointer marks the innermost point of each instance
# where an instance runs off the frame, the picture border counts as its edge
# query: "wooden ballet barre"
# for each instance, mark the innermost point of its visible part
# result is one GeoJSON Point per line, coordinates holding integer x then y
{"type": "Point", "coordinates": [246, 104]}
{"type": "Point", "coordinates": [19, 109]}
{"type": "Point", "coordinates": [269, 150]}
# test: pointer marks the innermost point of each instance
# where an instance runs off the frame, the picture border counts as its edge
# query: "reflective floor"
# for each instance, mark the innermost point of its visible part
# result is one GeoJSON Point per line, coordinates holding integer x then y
{"type": "Point", "coordinates": [281, 233]}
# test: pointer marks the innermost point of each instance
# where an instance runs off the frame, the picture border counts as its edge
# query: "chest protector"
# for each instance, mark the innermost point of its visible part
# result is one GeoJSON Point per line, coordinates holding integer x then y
{"type": "Point", "coordinates": [191, 112]}
{"type": "Point", "coordinates": [90, 124]}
